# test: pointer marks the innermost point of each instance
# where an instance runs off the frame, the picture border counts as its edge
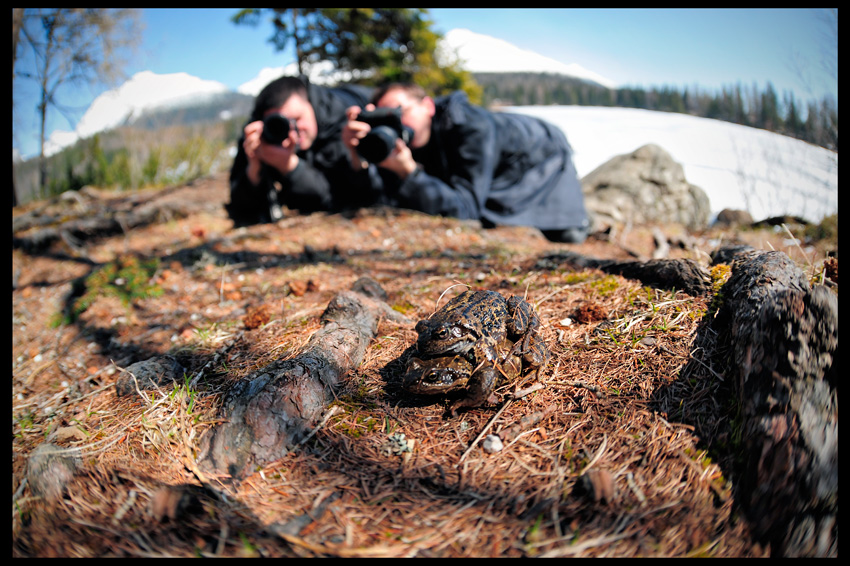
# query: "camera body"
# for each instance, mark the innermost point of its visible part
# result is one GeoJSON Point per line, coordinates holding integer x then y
{"type": "Point", "coordinates": [276, 128]}
{"type": "Point", "coordinates": [386, 129]}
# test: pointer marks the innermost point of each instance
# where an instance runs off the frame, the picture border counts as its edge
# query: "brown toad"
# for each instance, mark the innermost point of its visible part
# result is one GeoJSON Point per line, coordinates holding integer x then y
{"type": "Point", "coordinates": [489, 333]}
{"type": "Point", "coordinates": [445, 374]}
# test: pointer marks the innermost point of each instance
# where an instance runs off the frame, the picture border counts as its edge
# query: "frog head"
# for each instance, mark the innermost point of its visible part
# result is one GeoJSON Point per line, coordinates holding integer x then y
{"type": "Point", "coordinates": [438, 337]}
{"type": "Point", "coordinates": [437, 375]}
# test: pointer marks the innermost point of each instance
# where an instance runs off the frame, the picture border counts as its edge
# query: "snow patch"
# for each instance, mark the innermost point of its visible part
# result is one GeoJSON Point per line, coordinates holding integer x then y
{"type": "Point", "coordinates": [481, 53]}
{"type": "Point", "coordinates": [738, 167]}
{"type": "Point", "coordinates": [144, 91]}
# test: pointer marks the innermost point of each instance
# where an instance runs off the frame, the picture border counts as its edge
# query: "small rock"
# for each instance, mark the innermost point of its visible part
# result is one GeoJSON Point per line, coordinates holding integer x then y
{"type": "Point", "coordinates": [733, 217]}
{"type": "Point", "coordinates": [69, 433]}
{"type": "Point", "coordinates": [149, 373]}
{"type": "Point", "coordinates": [492, 444]}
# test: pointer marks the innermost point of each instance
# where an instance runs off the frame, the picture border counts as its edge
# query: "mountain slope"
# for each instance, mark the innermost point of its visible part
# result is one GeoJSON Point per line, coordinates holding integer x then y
{"type": "Point", "coordinates": [143, 92]}
{"type": "Point", "coordinates": [481, 53]}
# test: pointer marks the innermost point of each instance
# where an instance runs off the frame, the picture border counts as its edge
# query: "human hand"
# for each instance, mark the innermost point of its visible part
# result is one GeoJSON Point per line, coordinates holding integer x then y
{"type": "Point", "coordinates": [282, 157]}
{"type": "Point", "coordinates": [353, 132]}
{"type": "Point", "coordinates": [400, 161]}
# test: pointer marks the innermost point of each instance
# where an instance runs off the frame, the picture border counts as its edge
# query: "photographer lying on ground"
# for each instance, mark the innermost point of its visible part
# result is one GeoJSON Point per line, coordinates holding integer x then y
{"type": "Point", "coordinates": [291, 154]}
{"type": "Point", "coordinates": [467, 162]}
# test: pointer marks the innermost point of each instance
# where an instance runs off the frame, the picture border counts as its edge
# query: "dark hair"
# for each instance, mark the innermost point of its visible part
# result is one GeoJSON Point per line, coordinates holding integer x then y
{"type": "Point", "coordinates": [411, 89]}
{"type": "Point", "coordinates": [276, 93]}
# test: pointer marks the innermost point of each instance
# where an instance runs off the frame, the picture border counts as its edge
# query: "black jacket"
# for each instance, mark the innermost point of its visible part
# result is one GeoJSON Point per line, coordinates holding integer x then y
{"type": "Point", "coordinates": [323, 179]}
{"type": "Point", "coordinates": [496, 167]}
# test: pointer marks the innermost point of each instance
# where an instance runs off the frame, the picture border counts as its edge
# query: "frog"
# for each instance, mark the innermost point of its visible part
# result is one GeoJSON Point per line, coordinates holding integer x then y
{"type": "Point", "coordinates": [474, 340]}
{"type": "Point", "coordinates": [476, 324]}
{"type": "Point", "coordinates": [446, 374]}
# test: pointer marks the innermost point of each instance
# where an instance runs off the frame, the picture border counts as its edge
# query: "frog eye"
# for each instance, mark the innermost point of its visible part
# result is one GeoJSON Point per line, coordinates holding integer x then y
{"type": "Point", "coordinates": [432, 377]}
{"type": "Point", "coordinates": [441, 333]}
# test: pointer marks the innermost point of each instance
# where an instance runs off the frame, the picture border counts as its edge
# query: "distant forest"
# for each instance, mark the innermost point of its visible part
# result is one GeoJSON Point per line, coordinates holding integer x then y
{"type": "Point", "coordinates": [817, 123]}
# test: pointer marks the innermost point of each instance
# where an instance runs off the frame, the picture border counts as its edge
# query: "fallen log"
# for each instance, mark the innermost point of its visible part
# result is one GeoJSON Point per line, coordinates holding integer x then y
{"type": "Point", "coordinates": [93, 216]}
{"type": "Point", "coordinates": [684, 274]}
{"type": "Point", "coordinates": [784, 339]}
{"type": "Point", "coordinates": [273, 410]}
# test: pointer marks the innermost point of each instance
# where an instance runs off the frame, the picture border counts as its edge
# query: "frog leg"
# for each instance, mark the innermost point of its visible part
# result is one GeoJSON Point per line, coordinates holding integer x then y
{"type": "Point", "coordinates": [511, 367]}
{"type": "Point", "coordinates": [485, 349]}
{"type": "Point", "coordinates": [523, 318]}
{"type": "Point", "coordinates": [523, 324]}
{"type": "Point", "coordinates": [480, 389]}
{"type": "Point", "coordinates": [536, 354]}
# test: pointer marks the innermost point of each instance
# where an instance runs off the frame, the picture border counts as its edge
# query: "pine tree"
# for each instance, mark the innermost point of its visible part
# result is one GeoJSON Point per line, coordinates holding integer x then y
{"type": "Point", "coordinates": [375, 45]}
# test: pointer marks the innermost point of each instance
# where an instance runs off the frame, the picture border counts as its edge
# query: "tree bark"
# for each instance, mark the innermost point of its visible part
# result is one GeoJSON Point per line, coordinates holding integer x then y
{"type": "Point", "coordinates": [272, 411]}
{"type": "Point", "coordinates": [784, 339]}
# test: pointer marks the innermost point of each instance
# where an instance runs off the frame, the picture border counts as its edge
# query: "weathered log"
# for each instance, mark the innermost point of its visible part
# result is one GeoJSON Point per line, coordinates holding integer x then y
{"type": "Point", "coordinates": [273, 410]}
{"type": "Point", "coordinates": [93, 217]}
{"type": "Point", "coordinates": [684, 274]}
{"type": "Point", "coordinates": [784, 338]}
{"type": "Point", "coordinates": [105, 223]}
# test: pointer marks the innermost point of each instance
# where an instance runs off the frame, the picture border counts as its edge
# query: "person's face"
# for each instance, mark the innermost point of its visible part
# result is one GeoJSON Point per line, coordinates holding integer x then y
{"type": "Point", "coordinates": [415, 114]}
{"type": "Point", "coordinates": [300, 110]}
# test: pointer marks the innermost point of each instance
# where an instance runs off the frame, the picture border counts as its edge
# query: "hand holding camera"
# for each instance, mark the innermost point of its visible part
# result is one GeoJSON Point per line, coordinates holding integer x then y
{"type": "Point", "coordinates": [265, 142]}
{"type": "Point", "coordinates": [384, 142]}
{"type": "Point", "coordinates": [276, 128]}
{"type": "Point", "coordinates": [386, 128]}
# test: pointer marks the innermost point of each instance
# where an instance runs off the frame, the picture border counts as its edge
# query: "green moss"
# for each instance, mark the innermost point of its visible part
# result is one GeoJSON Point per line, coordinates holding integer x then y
{"type": "Point", "coordinates": [606, 286]}
{"type": "Point", "coordinates": [720, 274]}
{"type": "Point", "coordinates": [128, 278]}
{"type": "Point", "coordinates": [576, 277]}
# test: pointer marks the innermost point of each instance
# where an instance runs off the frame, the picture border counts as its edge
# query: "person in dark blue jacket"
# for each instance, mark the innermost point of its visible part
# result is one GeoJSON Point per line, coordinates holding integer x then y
{"type": "Point", "coordinates": [309, 169]}
{"type": "Point", "coordinates": [467, 162]}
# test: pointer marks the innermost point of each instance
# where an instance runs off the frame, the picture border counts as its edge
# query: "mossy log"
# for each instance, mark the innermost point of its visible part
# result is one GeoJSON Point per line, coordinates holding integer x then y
{"type": "Point", "coordinates": [684, 274]}
{"type": "Point", "coordinates": [784, 339]}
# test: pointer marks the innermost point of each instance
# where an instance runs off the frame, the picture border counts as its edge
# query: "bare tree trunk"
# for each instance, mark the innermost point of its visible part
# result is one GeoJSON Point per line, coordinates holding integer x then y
{"type": "Point", "coordinates": [42, 107]}
{"type": "Point", "coordinates": [17, 22]}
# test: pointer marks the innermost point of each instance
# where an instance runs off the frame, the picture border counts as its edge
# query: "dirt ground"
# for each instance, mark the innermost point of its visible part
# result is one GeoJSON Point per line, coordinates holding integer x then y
{"type": "Point", "coordinates": [625, 451]}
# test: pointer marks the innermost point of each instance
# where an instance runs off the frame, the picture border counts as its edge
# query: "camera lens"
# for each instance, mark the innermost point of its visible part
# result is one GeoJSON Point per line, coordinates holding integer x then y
{"type": "Point", "coordinates": [275, 129]}
{"type": "Point", "coordinates": [377, 144]}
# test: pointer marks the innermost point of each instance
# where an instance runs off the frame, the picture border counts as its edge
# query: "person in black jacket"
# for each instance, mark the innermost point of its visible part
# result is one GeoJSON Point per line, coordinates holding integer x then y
{"type": "Point", "coordinates": [470, 163]}
{"type": "Point", "coordinates": [307, 171]}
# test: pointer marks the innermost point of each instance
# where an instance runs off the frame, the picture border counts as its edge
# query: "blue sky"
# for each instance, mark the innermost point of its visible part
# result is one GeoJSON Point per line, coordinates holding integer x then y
{"type": "Point", "coordinates": [632, 47]}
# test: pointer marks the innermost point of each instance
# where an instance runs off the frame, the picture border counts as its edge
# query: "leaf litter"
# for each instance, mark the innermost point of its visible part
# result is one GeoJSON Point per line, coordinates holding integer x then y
{"type": "Point", "coordinates": [624, 451]}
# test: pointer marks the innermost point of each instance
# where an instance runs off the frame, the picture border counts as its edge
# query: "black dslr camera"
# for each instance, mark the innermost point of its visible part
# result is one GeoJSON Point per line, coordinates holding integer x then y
{"type": "Point", "coordinates": [276, 128]}
{"type": "Point", "coordinates": [386, 129]}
